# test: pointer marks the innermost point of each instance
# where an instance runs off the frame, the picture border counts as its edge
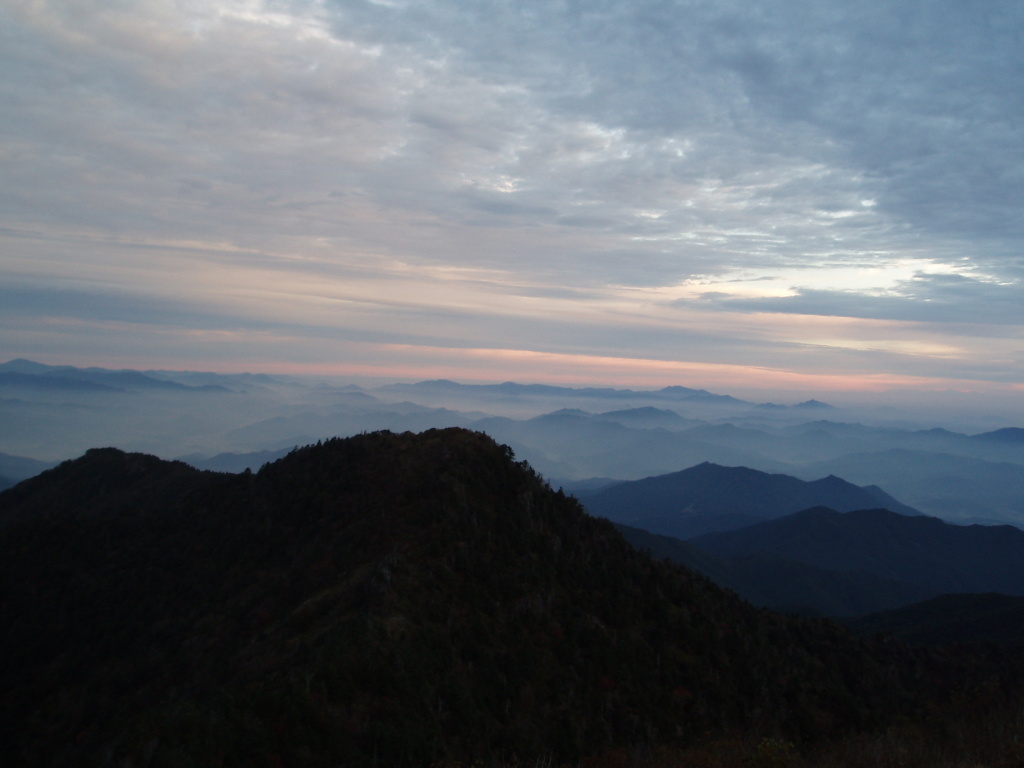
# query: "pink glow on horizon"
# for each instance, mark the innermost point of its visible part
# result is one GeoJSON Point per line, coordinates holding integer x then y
{"type": "Point", "coordinates": [412, 363]}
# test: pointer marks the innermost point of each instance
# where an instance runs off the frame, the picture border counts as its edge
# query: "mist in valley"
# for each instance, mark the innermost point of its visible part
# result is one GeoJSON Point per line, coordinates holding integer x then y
{"type": "Point", "coordinates": [941, 463]}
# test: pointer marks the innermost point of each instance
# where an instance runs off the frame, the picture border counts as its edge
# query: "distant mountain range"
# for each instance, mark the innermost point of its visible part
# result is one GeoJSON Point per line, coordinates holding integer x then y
{"type": "Point", "coordinates": [780, 543]}
{"type": "Point", "coordinates": [29, 375]}
{"type": "Point", "coordinates": [955, 486]}
{"type": "Point", "coordinates": [511, 388]}
{"type": "Point", "coordinates": [235, 462]}
{"type": "Point", "coordinates": [708, 498]}
{"type": "Point", "coordinates": [579, 438]}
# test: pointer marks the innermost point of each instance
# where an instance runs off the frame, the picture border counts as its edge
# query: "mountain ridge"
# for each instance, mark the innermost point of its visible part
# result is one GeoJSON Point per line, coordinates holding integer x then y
{"type": "Point", "coordinates": [387, 599]}
{"type": "Point", "coordinates": [920, 550]}
{"type": "Point", "coordinates": [786, 585]}
{"type": "Point", "coordinates": [708, 497]}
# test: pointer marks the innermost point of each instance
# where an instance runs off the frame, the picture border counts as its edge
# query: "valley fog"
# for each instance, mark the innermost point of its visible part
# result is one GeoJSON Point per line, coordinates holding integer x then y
{"type": "Point", "coordinates": [963, 466]}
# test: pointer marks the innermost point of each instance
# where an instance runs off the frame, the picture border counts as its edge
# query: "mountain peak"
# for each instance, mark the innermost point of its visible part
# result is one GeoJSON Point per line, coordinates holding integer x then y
{"type": "Point", "coordinates": [396, 599]}
{"type": "Point", "coordinates": [710, 497]}
{"type": "Point", "coordinates": [21, 365]}
{"type": "Point", "coordinates": [1005, 435]}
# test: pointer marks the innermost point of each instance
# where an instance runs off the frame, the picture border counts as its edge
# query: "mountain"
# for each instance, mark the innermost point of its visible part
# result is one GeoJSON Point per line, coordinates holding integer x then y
{"type": "Point", "coordinates": [924, 551]}
{"type": "Point", "coordinates": [1010, 435]}
{"type": "Point", "coordinates": [31, 375]}
{"type": "Point", "coordinates": [392, 600]}
{"type": "Point", "coordinates": [514, 389]}
{"type": "Point", "coordinates": [708, 498]}
{"type": "Point", "coordinates": [973, 618]}
{"type": "Point", "coordinates": [686, 393]}
{"type": "Point", "coordinates": [233, 462]}
{"type": "Point", "coordinates": [349, 416]}
{"type": "Point", "coordinates": [814, 405]}
{"type": "Point", "coordinates": [104, 479]}
{"type": "Point", "coordinates": [23, 366]}
{"type": "Point", "coordinates": [827, 440]}
{"type": "Point", "coordinates": [51, 412]}
{"type": "Point", "coordinates": [570, 446]}
{"type": "Point", "coordinates": [647, 417]}
{"type": "Point", "coordinates": [51, 383]}
{"type": "Point", "coordinates": [955, 487]}
{"type": "Point", "coordinates": [18, 468]}
{"type": "Point", "coordinates": [785, 585]}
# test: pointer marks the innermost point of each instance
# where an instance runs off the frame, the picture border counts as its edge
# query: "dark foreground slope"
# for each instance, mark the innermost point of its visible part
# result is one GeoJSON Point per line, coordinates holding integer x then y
{"type": "Point", "coordinates": [924, 551]}
{"type": "Point", "coordinates": [975, 618]}
{"type": "Point", "coordinates": [388, 600]}
{"type": "Point", "coordinates": [783, 584]}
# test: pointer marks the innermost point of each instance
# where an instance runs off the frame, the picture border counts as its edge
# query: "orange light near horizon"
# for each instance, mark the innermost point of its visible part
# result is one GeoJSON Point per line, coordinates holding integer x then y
{"type": "Point", "coordinates": [398, 362]}
{"type": "Point", "coordinates": [410, 362]}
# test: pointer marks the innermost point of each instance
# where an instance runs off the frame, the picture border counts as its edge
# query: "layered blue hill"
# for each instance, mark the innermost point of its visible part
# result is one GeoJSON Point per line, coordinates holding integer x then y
{"type": "Point", "coordinates": [709, 498]}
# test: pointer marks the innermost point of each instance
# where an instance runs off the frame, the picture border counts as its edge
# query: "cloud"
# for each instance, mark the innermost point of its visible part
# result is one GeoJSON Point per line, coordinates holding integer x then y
{"type": "Point", "coordinates": [556, 175]}
{"type": "Point", "coordinates": [943, 300]}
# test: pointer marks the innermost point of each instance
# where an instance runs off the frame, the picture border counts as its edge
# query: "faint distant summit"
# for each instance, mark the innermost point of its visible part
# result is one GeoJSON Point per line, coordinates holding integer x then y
{"type": "Point", "coordinates": [1005, 435]}
{"type": "Point", "coordinates": [21, 365]}
{"type": "Point", "coordinates": [686, 393]}
{"type": "Point", "coordinates": [806, 405]}
{"type": "Point", "coordinates": [672, 393]}
{"type": "Point", "coordinates": [26, 374]}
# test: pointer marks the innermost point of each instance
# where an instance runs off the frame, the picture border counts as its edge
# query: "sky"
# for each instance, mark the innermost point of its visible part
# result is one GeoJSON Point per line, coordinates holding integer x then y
{"type": "Point", "coordinates": [803, 195]}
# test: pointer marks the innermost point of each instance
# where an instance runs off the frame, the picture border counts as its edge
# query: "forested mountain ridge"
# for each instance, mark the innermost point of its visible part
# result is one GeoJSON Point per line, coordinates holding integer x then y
{"type": "Point", "coordinates": [970, 618]}
{"type": "Point", "coordinates": [395, 600]}
{"type": "Point", "coordinates": [926, 551]}
{"type": "Point", "coordinates": [786, 585]}
{"type": "Point", "coordinates": [708, 498]}
{"type": "Point", "coordinates": [104, 481]}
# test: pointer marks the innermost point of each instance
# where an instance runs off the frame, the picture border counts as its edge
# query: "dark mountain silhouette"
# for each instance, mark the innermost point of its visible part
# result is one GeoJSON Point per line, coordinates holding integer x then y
{"type": "Point", "coordinates": [974, 618]}
{"type": "Point", "coordinates": [104, 479]}
{"type": "Point", "coordinates": [785, 585]}
{"type": "Point", "coordinates": [925, 551]}
{"type": "Point", "coordinates": [391, 600]}
{"type": "Point", "coordinates": [709, 497]}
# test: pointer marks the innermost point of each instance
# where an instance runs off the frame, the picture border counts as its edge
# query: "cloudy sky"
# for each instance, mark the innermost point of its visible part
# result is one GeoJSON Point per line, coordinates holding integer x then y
{"type": "Point", "coordinates": [805, 195]}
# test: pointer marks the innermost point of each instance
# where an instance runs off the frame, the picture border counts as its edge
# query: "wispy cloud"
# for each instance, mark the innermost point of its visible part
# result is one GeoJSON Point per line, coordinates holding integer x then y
{"type": "Point", "coordinates": [643, 181]}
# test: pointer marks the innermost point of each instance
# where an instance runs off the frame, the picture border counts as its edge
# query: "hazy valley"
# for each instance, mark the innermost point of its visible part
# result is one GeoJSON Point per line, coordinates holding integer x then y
{"type": "Point", "coordinates": [576, 438]}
